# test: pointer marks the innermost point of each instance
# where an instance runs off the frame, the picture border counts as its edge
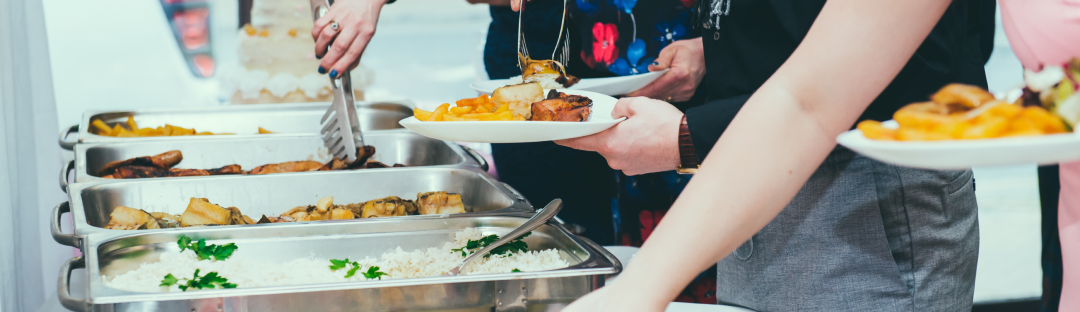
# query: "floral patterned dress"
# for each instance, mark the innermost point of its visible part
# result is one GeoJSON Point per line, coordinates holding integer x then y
{"type": "Point", "coordinates": [625, 36]}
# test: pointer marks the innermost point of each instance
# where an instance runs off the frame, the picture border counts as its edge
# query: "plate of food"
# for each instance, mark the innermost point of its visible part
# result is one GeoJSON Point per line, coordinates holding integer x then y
{"type": "Point", "coordinates": [549, 75]}
{"type": "Point", "coordinates": [965, 126]}
{"type": "Point", "coordinates": [517, 114]}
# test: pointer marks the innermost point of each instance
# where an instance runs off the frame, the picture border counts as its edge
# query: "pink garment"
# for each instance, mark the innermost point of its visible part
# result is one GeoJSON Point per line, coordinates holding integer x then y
{"type": "Point", "coordinates": [1047, 32]}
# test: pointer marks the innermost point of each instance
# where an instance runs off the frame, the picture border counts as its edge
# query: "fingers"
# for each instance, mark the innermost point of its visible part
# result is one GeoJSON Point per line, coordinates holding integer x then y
{"type": "Point", "coordinates": [656, 88]}
{"type": "Point", "coordinates": [323, 40]}
{"type": "Point", "coordinates": [592, 143]}
{"type": "Point", "coordinates": [352, 54]}
{"type": "Point", "coordinates": [622, 108]}
{"type": "Point", "coordinates": [515, 5]}
{"type": "Point", "coordinates": [667, 54]}
{"type": "Point", "coordinates": [340, 47]}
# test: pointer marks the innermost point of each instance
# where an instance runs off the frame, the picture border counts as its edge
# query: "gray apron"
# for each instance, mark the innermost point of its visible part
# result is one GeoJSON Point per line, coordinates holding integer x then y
{"type": "Point", "coordinates": [862, 235]}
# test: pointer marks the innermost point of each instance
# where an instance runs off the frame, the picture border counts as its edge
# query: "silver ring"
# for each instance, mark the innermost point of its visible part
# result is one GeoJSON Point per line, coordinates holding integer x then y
{"type": "Point", "coordinates": [334, 25]}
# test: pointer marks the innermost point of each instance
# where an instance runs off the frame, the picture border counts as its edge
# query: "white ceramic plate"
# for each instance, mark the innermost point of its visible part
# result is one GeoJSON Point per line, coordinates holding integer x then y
{"type": "Point", "coordinates": [520, 131]}
{"type": "Point", "coordinates": [611, 86]}
{"type": "Point", "coordinates": [962, 154]}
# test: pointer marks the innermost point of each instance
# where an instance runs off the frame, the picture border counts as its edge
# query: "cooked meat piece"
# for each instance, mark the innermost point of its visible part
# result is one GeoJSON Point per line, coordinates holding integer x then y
{"type": "Point", "coordinates": [164, 160]}
{"type": "Point", "coordinates": [201, 212]}
{"type": "Point", "coordinates": [386, 207]}
{"type": "Point", "coordinates": [567, 80]}
{"type": "Point", "coordinates": [125, 218]}
{"type": "Point", "coordinates": [230, 169]}
{"type": "Point", "coordinates": [264, 219]}
{"type": "Point", "coordinates": [399, 165]}
{"type": "Point", "coordinates": [376, 164]}
{"type": "Point", "coordinates": [292, 166]}
{"type": "Point", "coordinates": [519, 97]}
{"type": "Point", "coordinates": [362, 155]}
{"type": "Point", "coordinates": [185, 173]}
{"type": "Point", "coordinates": [237, 218]}
{"type": "Point", "coordinates": [167, 221]}
{"type": "Point", "coordinates": [335, 164]}
{"type": "Point", "coordinates": [562, 107]}
{"type": "Point", "coordinates": [439, 203]}
{"type": "Point", "coordinates": [341, 214]}
{"type": "Point", "coordinates": [960, 97]}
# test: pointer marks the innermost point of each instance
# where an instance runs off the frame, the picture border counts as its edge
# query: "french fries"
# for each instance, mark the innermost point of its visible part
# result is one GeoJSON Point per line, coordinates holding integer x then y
{"type": "Point", "coordinates": [130, 129]}
{"type": "Point", "coordinates": [960, 112]}
{"type": "Point", "coordinates": [480, 108]}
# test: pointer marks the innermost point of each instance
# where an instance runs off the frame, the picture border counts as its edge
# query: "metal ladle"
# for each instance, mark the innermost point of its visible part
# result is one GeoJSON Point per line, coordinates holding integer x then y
{"type": "Point", "coordinates": [536, 221]}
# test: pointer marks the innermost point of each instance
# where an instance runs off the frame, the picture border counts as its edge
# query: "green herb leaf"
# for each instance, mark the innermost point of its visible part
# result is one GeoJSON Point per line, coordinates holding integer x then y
{"type": "Point", "coordinates": [515, 270]}
{"type": "Point", "coordinates": [373, 272]}
{"type": "Point", "coordinates": [222, 252]}
{"type": "Point", "coordinates": [516, 245]}
{"type": "Point", "coordinates": [355, 266]}
{"type": "Point", "coordinates": [184, 241]}
{"type": "Point", "coordinates": [336, 264]}
{"type": "Point", "coordinates": [169, 280]}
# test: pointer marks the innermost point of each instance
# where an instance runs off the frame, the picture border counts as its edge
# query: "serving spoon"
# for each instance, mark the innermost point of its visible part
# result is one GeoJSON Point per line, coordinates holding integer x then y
{"type": "Point", "coordinates": [536, 221]}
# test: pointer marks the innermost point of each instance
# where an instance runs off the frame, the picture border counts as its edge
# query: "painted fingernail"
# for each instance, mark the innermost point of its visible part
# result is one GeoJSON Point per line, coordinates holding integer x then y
{"type": "Point", "coordinates": [318, 57]}
{"type": "Point", "coordinates": [333, 73]}
{"type": "Point", "coordinates": [322, 70]}
{"type": "Point", "coordinates": [656, 63]}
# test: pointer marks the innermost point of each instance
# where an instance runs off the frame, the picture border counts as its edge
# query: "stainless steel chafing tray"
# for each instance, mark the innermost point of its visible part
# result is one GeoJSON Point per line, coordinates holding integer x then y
{"type": "Point", "coordinates": [525, 291]}
{"type": "Point", "coordinates": [92, 203]}
{"type": "Point", "coordinates": [393, 146]}
{"type": "Point", "coordinates": [244, 120]}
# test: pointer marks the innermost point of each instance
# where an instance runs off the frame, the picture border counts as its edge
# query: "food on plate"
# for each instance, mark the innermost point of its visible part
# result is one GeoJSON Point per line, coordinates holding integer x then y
{"type": "Point", "coordinates": [963, 112]}
{"type": "Point", "coordinates": [1055, 89]}
{"type": "Point", "coordinates": [161, 165]}
{"type": "Point", "coordinates": [562, 107]}
{"type": "Point", "coordinates": [201, 212]}
{"type": "Point", "coordinates": [244, 270]}
{"type": "Point", "coordinates": [549, 73]}
{"type": "Point", "coordinates": [264, 131]}
{"type": "Point", "coordinates": [130, 129]}
{"type": "Point", "coordinates": [518, 102]}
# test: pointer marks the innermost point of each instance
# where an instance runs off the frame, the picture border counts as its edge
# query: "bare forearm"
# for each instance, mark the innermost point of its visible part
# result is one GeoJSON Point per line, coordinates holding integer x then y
{"type": "Point", "coordinates": [782, 134]}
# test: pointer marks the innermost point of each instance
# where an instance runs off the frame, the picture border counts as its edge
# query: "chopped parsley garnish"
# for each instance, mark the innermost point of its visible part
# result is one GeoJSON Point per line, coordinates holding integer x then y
{"type": "Point", "coordinates": [336, 264]}
{"type": "Point", "coordinates": [515, 270]}
{"type": "Point", "coordinates": [204, 251]}
{"type": "Point", "coordinates": [516, 245]}
{"type": "Point", "coordinates": [373, 272]}
{"type": "Point", "coordinates": [209, 281]}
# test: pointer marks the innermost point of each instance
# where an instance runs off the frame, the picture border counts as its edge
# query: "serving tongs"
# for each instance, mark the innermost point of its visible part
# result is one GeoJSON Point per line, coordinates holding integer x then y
{"type": "Point", "coordinates": [564, 39]}
{"type": "Point", "coordinates": [538, 219]}
{"type": "Point", "coordinates": [341, 127]}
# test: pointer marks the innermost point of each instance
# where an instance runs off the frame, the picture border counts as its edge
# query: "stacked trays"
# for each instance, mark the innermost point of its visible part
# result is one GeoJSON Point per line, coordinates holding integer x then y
{"type": "Point", "coordinates": [433, 165]}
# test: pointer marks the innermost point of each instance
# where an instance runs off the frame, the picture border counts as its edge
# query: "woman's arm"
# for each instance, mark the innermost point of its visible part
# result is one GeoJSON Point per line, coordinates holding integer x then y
{"type": "Point", "coordinates": [779, 138]}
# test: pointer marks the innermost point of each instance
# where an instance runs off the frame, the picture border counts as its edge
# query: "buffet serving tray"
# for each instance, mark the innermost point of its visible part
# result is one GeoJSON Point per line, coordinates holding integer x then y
{"type": "Point", "coordinates": [243, 120]}
{"type": "Point", "coordinates": [391, 147]}
{"type": "Point", "coordinates": [526, 291]}
{"type": "Point", "coordinates": [91, 204]}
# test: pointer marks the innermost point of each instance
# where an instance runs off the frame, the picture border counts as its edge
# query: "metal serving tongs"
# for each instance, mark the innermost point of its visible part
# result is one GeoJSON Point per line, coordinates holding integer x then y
{"type": "Point", "coordinates": [341, 127]}
{"type": "Point", "coordinates": [536, 221]}
{"type": "Point", "coordinates": [564, 39]}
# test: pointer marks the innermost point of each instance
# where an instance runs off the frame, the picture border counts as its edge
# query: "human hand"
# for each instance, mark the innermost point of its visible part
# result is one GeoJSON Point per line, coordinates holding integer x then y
{"type": "Point", "coordinates": [356, 21]}
{"type": "Point", "coordinates": [647, 141]}
{"type": "Point", "coordinates": [515, 5]}
{"type": "Point", "coordinates": [613, 298]}
{"type": "Point", "coordinates": [686, 61]}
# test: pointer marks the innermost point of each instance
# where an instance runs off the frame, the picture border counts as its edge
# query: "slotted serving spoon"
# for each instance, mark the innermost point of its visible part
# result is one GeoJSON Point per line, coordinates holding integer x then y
{"type": "Point", "coordinates": [341, 127]}
{"type": "Point", "coordinates": [536, 221]}
{"type": "Point", "coordinates": [523, 50]}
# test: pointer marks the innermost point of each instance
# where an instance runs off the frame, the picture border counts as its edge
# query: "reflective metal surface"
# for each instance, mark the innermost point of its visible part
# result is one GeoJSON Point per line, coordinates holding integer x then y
{"type": "Point", "coordinates": [92, 203]}
{"type": "Point", "coordinates": [244, 120]}
{"type": "Point", "coordinates": [395, 146]}
{"type": "Point", "coordinates": [526, 291]}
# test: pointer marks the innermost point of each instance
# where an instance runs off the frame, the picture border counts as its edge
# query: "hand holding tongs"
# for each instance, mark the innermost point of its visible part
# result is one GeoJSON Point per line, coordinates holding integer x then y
{"type": "Point", "coordinates": [523, 51]}
{"type": "Point", "coordinates": [341, 127]}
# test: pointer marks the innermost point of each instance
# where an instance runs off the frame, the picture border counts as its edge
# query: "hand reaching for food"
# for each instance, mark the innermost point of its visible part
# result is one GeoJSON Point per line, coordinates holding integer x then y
{"type": "Point", "coordinates": [346, 28]}
{"type": "Point", "coordinates": [686, 61]}
{"type": "Point", "coordinates": [647, 141]}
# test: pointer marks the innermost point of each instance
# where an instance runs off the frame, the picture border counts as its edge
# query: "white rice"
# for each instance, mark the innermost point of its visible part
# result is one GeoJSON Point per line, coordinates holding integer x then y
{"type": "Point", "coordinates": [248, 273]}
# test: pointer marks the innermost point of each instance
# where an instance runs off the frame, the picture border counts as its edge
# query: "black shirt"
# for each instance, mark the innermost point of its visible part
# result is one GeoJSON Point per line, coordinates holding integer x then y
{"type": "Point", "coordinates": [746, 41]}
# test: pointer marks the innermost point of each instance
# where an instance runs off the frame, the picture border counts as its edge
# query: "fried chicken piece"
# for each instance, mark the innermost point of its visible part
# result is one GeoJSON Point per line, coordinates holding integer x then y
{"type": "Point", "coordinates": [439, 203]}
{"type": "Point", "coordinates": [362, 155]}
{"type": "Point", "coordinates": [201, 212]}
{"type": "Point", "coordinates": [137, 172]}
{"type": "Point", "coordinates": [562, 107]}
{"type": "Point", "coordinates": [164, 160]}
{"type": "Point", "coordinates": [291, 166]}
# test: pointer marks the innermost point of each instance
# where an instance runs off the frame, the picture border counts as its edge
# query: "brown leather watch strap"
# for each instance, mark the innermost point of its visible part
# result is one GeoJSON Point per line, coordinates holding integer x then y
{"type": "Point", "coordinates": [688, 159]}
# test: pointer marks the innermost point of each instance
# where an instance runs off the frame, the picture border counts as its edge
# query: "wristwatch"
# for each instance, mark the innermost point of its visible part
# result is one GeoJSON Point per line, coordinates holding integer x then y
{"type": "Point", "coordinates": [688, 160]}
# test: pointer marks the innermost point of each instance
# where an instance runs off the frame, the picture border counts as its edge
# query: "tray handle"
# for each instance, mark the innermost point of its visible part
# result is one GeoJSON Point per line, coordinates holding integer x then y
{"type": "Point", "coordinates": [63, 291]}
{"type": "Point", "coordinates": [57, 234]}
{"type": "Point", "coordinates": [64, 175]}
{"type": "Point", "coordinates": [476, 156]}
{"type": "Point", "coordinates": [603, 252]}
{"type": "Point", "coordinates": [64, 143]}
